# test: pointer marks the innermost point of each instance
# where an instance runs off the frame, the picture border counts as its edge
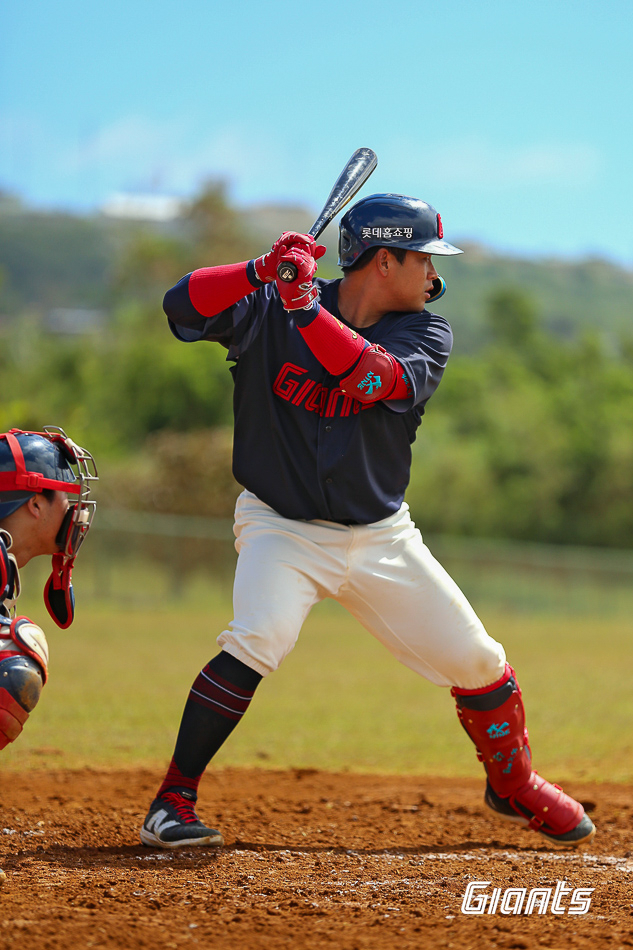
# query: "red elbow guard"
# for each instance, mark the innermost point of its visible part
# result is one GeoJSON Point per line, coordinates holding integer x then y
{"type": "Point", "coordinates": [374, 377]}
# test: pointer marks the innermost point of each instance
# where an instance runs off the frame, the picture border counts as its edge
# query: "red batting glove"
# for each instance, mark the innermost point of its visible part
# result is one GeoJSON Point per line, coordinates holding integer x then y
{"type": "Point", "coordinates": [299, 293]}
{"type": "Point", "coordinates": [266, 266]}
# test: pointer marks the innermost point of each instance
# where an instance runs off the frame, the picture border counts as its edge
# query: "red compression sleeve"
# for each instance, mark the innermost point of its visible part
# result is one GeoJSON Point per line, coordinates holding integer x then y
{"type": "Point", "coordinates": [338, 348]}
{"type": "Point", "coordinates": [213, 289]}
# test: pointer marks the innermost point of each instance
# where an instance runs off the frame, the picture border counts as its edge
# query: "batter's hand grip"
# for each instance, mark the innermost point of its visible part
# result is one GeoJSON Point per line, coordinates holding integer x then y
{"type": "Point", "coordinates": [287, 271]}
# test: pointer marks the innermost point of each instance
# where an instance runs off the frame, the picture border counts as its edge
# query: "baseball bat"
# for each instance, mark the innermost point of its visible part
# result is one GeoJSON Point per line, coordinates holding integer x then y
{"type": "Point", "coordinates": [352, 178]}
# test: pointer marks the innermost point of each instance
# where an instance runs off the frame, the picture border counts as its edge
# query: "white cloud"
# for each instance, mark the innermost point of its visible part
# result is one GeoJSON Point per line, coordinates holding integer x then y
{"type": "Point", "coordinates": [475, 162]}
{"type": "Point", "coordinates": [135, 153]}
{"type": "Point", "coordinates": [138, 150]}
{"type": "Point", "coordinates": [131, 139]}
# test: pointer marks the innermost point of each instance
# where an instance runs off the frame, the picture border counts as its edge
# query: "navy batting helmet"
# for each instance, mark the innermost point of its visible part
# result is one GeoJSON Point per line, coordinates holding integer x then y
{"type": "Point", "coordinates": [391, 221]}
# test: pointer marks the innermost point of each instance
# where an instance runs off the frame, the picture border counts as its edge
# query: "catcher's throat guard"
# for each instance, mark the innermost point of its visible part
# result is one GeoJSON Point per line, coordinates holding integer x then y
{"type": "Point", "coordinates": [50, 459]}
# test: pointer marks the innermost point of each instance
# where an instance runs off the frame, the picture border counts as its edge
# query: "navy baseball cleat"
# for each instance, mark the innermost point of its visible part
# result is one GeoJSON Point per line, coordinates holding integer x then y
{"type": "Point", "coordinates": [545, 808]}
{"type": "Point", "coordinates": [172, 823]}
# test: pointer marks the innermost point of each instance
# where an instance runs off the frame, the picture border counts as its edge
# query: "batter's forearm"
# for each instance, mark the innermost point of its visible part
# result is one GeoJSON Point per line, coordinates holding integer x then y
{"type": "Point", "coordinates": [369, 372]}
{"type": "Point", "coordinates": [336, 346]}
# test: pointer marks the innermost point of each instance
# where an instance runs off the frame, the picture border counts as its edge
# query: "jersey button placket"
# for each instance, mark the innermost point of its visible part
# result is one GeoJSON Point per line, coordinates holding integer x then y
{"type": "Point", "coordinates": [328, 456]}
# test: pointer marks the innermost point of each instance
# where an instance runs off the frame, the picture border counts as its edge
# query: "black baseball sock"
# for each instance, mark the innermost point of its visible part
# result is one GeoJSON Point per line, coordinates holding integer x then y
{"type": "Point", "coordinates": [217, 701]}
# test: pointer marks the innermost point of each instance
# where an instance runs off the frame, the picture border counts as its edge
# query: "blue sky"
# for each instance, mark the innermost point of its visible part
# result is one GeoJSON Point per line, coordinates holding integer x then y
{"type": "Point", "coordinates": [514, 120]}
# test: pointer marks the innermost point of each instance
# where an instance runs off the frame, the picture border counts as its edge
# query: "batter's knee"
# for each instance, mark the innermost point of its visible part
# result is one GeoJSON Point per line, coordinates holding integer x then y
{"type": "Point", "coordinates": [482, 663]}
{"type": "Point", "coordinates": [262, 652]}
{"type": "Point", "coordinates": [21, 683]}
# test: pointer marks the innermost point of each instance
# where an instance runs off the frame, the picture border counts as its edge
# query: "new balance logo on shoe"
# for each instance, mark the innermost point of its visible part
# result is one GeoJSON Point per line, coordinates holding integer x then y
{"type": "Point", "coordinates": [172, 823]}
{"type": "Point", "coordinates": [159, 821]}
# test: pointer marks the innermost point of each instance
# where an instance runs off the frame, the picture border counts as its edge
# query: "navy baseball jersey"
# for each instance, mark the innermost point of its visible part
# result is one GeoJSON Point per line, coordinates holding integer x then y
{"type": "Point", "coordinates": [302, 445]}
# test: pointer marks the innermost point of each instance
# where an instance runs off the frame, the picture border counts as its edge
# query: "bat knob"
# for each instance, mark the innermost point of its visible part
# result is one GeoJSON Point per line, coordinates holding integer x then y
{"type": "Point", "coordinates": [287, 271]}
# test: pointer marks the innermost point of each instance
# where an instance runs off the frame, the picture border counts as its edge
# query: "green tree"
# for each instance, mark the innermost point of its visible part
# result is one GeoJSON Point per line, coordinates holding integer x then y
{"type": "Point", "coordinates": [511, 317]}
{"type": "Point", "coordinates": [217, 233]}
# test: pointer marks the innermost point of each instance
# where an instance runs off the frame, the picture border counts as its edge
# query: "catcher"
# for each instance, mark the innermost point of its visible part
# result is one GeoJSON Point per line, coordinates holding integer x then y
{"type": "Point", "coordinates": [38, 473]}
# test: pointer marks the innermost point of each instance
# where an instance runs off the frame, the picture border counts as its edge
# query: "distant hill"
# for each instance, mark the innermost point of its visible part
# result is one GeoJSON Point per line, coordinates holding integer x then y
{"type": "Point", "coordinates": [55, 260]}
{"type": "Point", "coordinates": [571, 297]}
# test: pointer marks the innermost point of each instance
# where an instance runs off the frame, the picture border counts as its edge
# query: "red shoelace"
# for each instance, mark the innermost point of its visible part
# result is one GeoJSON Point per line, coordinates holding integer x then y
{"type": "Point", "coordinates": [184, 809]}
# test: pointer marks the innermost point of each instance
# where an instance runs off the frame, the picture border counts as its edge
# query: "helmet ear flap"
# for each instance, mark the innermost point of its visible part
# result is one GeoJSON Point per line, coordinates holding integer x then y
{"type": "Point", "coordinates": [345, 243]}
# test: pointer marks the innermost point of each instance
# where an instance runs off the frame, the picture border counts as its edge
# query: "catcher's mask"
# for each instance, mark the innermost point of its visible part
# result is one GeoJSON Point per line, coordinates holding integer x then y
{"type": "Point", "coordinates": [31, 462]}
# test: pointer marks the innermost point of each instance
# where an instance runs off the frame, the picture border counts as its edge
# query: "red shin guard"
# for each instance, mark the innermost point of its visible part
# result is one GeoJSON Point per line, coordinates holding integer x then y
{"type": "Point", "coordinates": [494, 718]}
{"type": "Point", "coordinates": [12, 718]}
{"type": "Point", "coordinates": [547, 807]}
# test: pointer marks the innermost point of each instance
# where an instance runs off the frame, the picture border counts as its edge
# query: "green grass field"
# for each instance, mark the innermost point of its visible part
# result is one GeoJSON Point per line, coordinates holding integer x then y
{"type": "Point", "coordinates": [120, 676]}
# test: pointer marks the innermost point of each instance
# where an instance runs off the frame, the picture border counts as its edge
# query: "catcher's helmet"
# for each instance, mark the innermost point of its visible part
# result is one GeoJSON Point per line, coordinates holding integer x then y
{"type": "Point", "coordinates": [391, 221]}
{"type": "Point", "coordinates": [31, 462]}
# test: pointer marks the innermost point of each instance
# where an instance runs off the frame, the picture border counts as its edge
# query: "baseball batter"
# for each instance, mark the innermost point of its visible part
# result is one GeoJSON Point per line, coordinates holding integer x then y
{"type": "Point", "coordinates": [331, 381]}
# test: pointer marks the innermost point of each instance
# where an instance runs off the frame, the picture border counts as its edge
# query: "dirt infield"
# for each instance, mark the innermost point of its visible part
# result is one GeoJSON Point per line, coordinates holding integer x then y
{"type": "Point", "coordinates": [313, 859]}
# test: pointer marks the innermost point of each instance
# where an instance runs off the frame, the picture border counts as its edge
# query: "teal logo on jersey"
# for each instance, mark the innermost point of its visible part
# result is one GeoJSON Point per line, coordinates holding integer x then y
{"type": "Point", "coordinates": [370, 383]}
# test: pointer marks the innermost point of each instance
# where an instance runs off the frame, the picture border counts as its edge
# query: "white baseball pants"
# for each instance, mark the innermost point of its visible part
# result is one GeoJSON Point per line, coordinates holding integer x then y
{"type": "Point", "coordinates": [382, 573]}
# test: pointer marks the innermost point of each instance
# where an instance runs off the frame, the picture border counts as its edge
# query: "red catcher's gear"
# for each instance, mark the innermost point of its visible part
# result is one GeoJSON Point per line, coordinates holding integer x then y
{"type": "Point", "coordinates": [59, 477]}
{"type": "Point", "coordinates": [494, 719]}
{"type": "Point", "coordinates": [30, 640]}
{"type": "Point", "coordinates": [59, 595]}
{"type": "Point", "coordinates": [499, 733]}
{"type": "Point", "coordinates": [545, 807]}
{"type": "Point", "coordinates": [33, 461]}
{"type": "Point", "coordinates": [12, 718]}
